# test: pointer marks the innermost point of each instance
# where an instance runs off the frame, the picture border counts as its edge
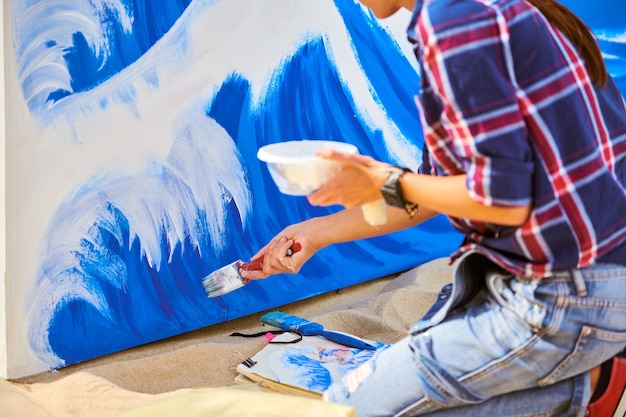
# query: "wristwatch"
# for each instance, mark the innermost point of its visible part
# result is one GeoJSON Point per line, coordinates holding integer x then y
{"type": "Point", "coordinates": [392, 193]}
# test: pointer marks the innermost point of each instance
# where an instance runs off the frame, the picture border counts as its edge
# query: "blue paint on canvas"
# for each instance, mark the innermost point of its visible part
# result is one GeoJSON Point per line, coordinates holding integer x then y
{"type": "Point", "coordinates": [124, 255]}
{"type": "Point", "coordinates": [607, 19]}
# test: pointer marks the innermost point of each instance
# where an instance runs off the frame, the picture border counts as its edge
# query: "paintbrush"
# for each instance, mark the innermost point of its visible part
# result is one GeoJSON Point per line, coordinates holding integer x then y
{"type": "Point", "coordinates": [228, 278]}
{"type": "Point", "coordinates": [306, 327]}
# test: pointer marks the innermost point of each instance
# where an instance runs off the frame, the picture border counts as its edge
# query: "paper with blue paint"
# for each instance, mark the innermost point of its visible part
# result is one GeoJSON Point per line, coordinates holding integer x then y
{"type": "Point", "coordinates": [311, 365]}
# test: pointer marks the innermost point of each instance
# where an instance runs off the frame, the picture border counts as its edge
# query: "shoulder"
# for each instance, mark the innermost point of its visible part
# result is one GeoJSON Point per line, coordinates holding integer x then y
{"type": "Point", "coordinates": [444, 15]}
{"type": "Point", "coordinates": [451, 13]}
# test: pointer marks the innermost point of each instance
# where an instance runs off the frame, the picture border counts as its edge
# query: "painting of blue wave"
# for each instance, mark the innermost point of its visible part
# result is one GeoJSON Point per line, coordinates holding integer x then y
{"type": "Point", "coordinates": [156, 110]}
{"type": "Point", "coordinates": [315, 368]}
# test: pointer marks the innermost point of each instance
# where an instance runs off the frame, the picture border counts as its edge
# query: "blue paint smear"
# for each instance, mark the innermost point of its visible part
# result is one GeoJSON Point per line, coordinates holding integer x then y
{"type": "Point", "coordinates": [124, 42]}
{"type": "Point", "coordinates": [150, 21]}
{"type": "Point", "coordinates": [607, 19]}
{"type": "Point", "coordinates": [314, 368]}
{"type": "Point", "coordinates": [306, 100]}
{"type": "Point", "coordinates": [312, 374]}
{"type": "Point", "coordinates": [392, 76]}
{"type": "Point", "coordinates": [605, 14]}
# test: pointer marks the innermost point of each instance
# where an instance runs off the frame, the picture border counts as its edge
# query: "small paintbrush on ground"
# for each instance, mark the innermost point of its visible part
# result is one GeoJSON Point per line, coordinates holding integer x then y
{"type": "Point", "coordinates": [228, 278]}
{"type": "Point", "coordinates": [306, 327]}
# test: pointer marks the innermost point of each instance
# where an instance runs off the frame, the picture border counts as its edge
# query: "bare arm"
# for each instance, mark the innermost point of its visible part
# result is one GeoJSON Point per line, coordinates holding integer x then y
{"type": "Point", "coordinates": [316, 233]}
{"type": "Point", "coordinates": [349, 225]}
{"type": "Point", "coordinates": [449, 195]}
{"type": "Point", "coordinates": [362, 177]}
{"type": "Point", "coordinates": [359, 182]}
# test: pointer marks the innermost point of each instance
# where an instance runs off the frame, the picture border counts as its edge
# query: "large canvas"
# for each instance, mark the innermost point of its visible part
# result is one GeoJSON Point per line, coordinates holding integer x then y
{"type": "Point", "coordinates": [132, 132]}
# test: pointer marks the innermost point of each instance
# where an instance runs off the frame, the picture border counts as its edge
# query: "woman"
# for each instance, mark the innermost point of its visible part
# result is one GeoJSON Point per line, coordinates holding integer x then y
{"type": "Point", "coordinates": [525, 152]}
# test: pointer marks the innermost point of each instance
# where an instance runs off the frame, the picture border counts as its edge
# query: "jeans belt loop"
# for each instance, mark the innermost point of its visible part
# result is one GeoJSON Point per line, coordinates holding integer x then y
{"type": "Point", "coordinates": [579, 282]}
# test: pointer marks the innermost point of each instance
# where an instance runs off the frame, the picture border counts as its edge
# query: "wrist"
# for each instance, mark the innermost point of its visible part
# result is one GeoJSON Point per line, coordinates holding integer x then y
{"type": "Point", "coordinates": [319, 232]}
{"type": "Point", "coordinates": [392, 190]}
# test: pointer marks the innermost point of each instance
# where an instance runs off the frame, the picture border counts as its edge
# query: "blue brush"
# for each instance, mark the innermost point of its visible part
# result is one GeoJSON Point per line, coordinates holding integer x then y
{"type": "Point", "coordinates": [309, 328]}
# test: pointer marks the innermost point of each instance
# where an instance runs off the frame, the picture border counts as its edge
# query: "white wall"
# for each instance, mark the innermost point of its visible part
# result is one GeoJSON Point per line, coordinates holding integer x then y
{"type": "Point", "coordinates": [3, 218]}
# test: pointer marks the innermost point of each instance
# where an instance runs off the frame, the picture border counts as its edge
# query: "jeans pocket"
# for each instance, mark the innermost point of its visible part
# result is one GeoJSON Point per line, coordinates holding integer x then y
{"type": "Point", "coordinates": [593, 347]}
{"type": "Point", "coordinates": [517, 295]}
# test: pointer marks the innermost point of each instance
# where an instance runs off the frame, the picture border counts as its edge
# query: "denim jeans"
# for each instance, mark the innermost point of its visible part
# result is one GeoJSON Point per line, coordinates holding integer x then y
{"type": "Point", "coordinates": [497, 345]}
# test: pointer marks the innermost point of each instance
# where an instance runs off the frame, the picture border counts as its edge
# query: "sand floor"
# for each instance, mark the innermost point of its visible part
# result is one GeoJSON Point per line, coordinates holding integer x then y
{"type": "Point", "coordinates": [382, 310]}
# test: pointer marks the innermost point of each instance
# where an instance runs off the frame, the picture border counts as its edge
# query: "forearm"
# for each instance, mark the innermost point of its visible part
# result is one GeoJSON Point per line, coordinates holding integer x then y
{"type": "Point", "coordinates": [349, 225]}
{"type": "Point", "coordinates": [319, 232]}
{"type": "Point", "coordinates": [362, 178]}
{"type": "Point", "coordinates": [449, 195]}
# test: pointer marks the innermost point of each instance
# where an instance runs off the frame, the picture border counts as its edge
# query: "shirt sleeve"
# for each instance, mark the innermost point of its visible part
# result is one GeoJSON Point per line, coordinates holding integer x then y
{"type": "Point", "coordinates": [465, 46]}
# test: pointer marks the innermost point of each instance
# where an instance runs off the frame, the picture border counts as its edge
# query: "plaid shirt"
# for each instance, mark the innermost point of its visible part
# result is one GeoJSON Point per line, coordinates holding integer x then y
{"type": "Point", "coordinates": [506, 99]}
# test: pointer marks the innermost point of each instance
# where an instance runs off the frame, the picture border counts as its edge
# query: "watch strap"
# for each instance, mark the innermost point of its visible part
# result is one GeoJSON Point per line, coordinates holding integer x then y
{"type": "Point", "coordinates": [392, 192]}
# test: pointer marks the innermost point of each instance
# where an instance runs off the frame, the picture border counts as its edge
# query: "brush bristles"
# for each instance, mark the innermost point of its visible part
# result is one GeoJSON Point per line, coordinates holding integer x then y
{"type": "Point", "coordinates": [223, 281]}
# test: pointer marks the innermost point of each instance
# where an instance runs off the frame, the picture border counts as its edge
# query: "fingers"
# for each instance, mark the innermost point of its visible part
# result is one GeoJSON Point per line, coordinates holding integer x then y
{"type": "Point", "coordinates": [253, 275]}
{"type": "Point", "coordinates": [281, 258]}
{"type": "Point", "coordinates": [277, 259]}
{"type": "Point", "coordinates": [287, 263]}
{"type": "Point", "coordinates": [343, 157]}
{"type": "Point", "coordinates": [356, 183]}
{"type": "Point", "coordinates": [350, 187]}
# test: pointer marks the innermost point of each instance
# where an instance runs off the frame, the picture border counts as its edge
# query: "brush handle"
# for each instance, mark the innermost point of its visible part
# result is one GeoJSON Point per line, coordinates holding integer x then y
{"type": "Point", "coordinates": [257, 264]}
{"type": "Point", "coordinates": [294, 323]}
{"type": "Point", "coordinates": [347, 340]}
{"type": "Point", "coordinates": [306, 327]}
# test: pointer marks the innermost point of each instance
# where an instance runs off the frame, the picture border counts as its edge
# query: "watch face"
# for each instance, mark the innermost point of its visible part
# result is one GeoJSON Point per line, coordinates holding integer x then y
{"type": "Point", "coordinates": [391, 190]}
{"type": "Point", "coordinates": [393, 200]}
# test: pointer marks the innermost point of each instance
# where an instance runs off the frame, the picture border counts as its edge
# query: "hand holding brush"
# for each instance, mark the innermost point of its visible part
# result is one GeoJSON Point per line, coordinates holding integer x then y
{"type": "Point", "coordinates": [229, 278]}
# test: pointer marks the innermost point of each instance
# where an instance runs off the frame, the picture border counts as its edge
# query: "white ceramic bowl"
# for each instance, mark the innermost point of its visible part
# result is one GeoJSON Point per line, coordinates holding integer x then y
{"type": "Point", "coordinates": [294, 167]}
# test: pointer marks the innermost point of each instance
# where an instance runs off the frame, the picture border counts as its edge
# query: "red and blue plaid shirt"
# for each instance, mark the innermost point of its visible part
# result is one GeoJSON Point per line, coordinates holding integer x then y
{"type": "Point", "coordinates": [506, 99]}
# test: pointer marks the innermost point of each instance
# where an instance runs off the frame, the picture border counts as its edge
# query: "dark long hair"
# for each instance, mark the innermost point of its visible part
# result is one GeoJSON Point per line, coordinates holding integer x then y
{"type": "Point", "coordinates": [579, 34]}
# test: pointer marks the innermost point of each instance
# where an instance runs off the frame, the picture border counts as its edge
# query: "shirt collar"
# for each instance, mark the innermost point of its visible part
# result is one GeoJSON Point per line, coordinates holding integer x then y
{"type": "Point", "coordinates": [412, 29]}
